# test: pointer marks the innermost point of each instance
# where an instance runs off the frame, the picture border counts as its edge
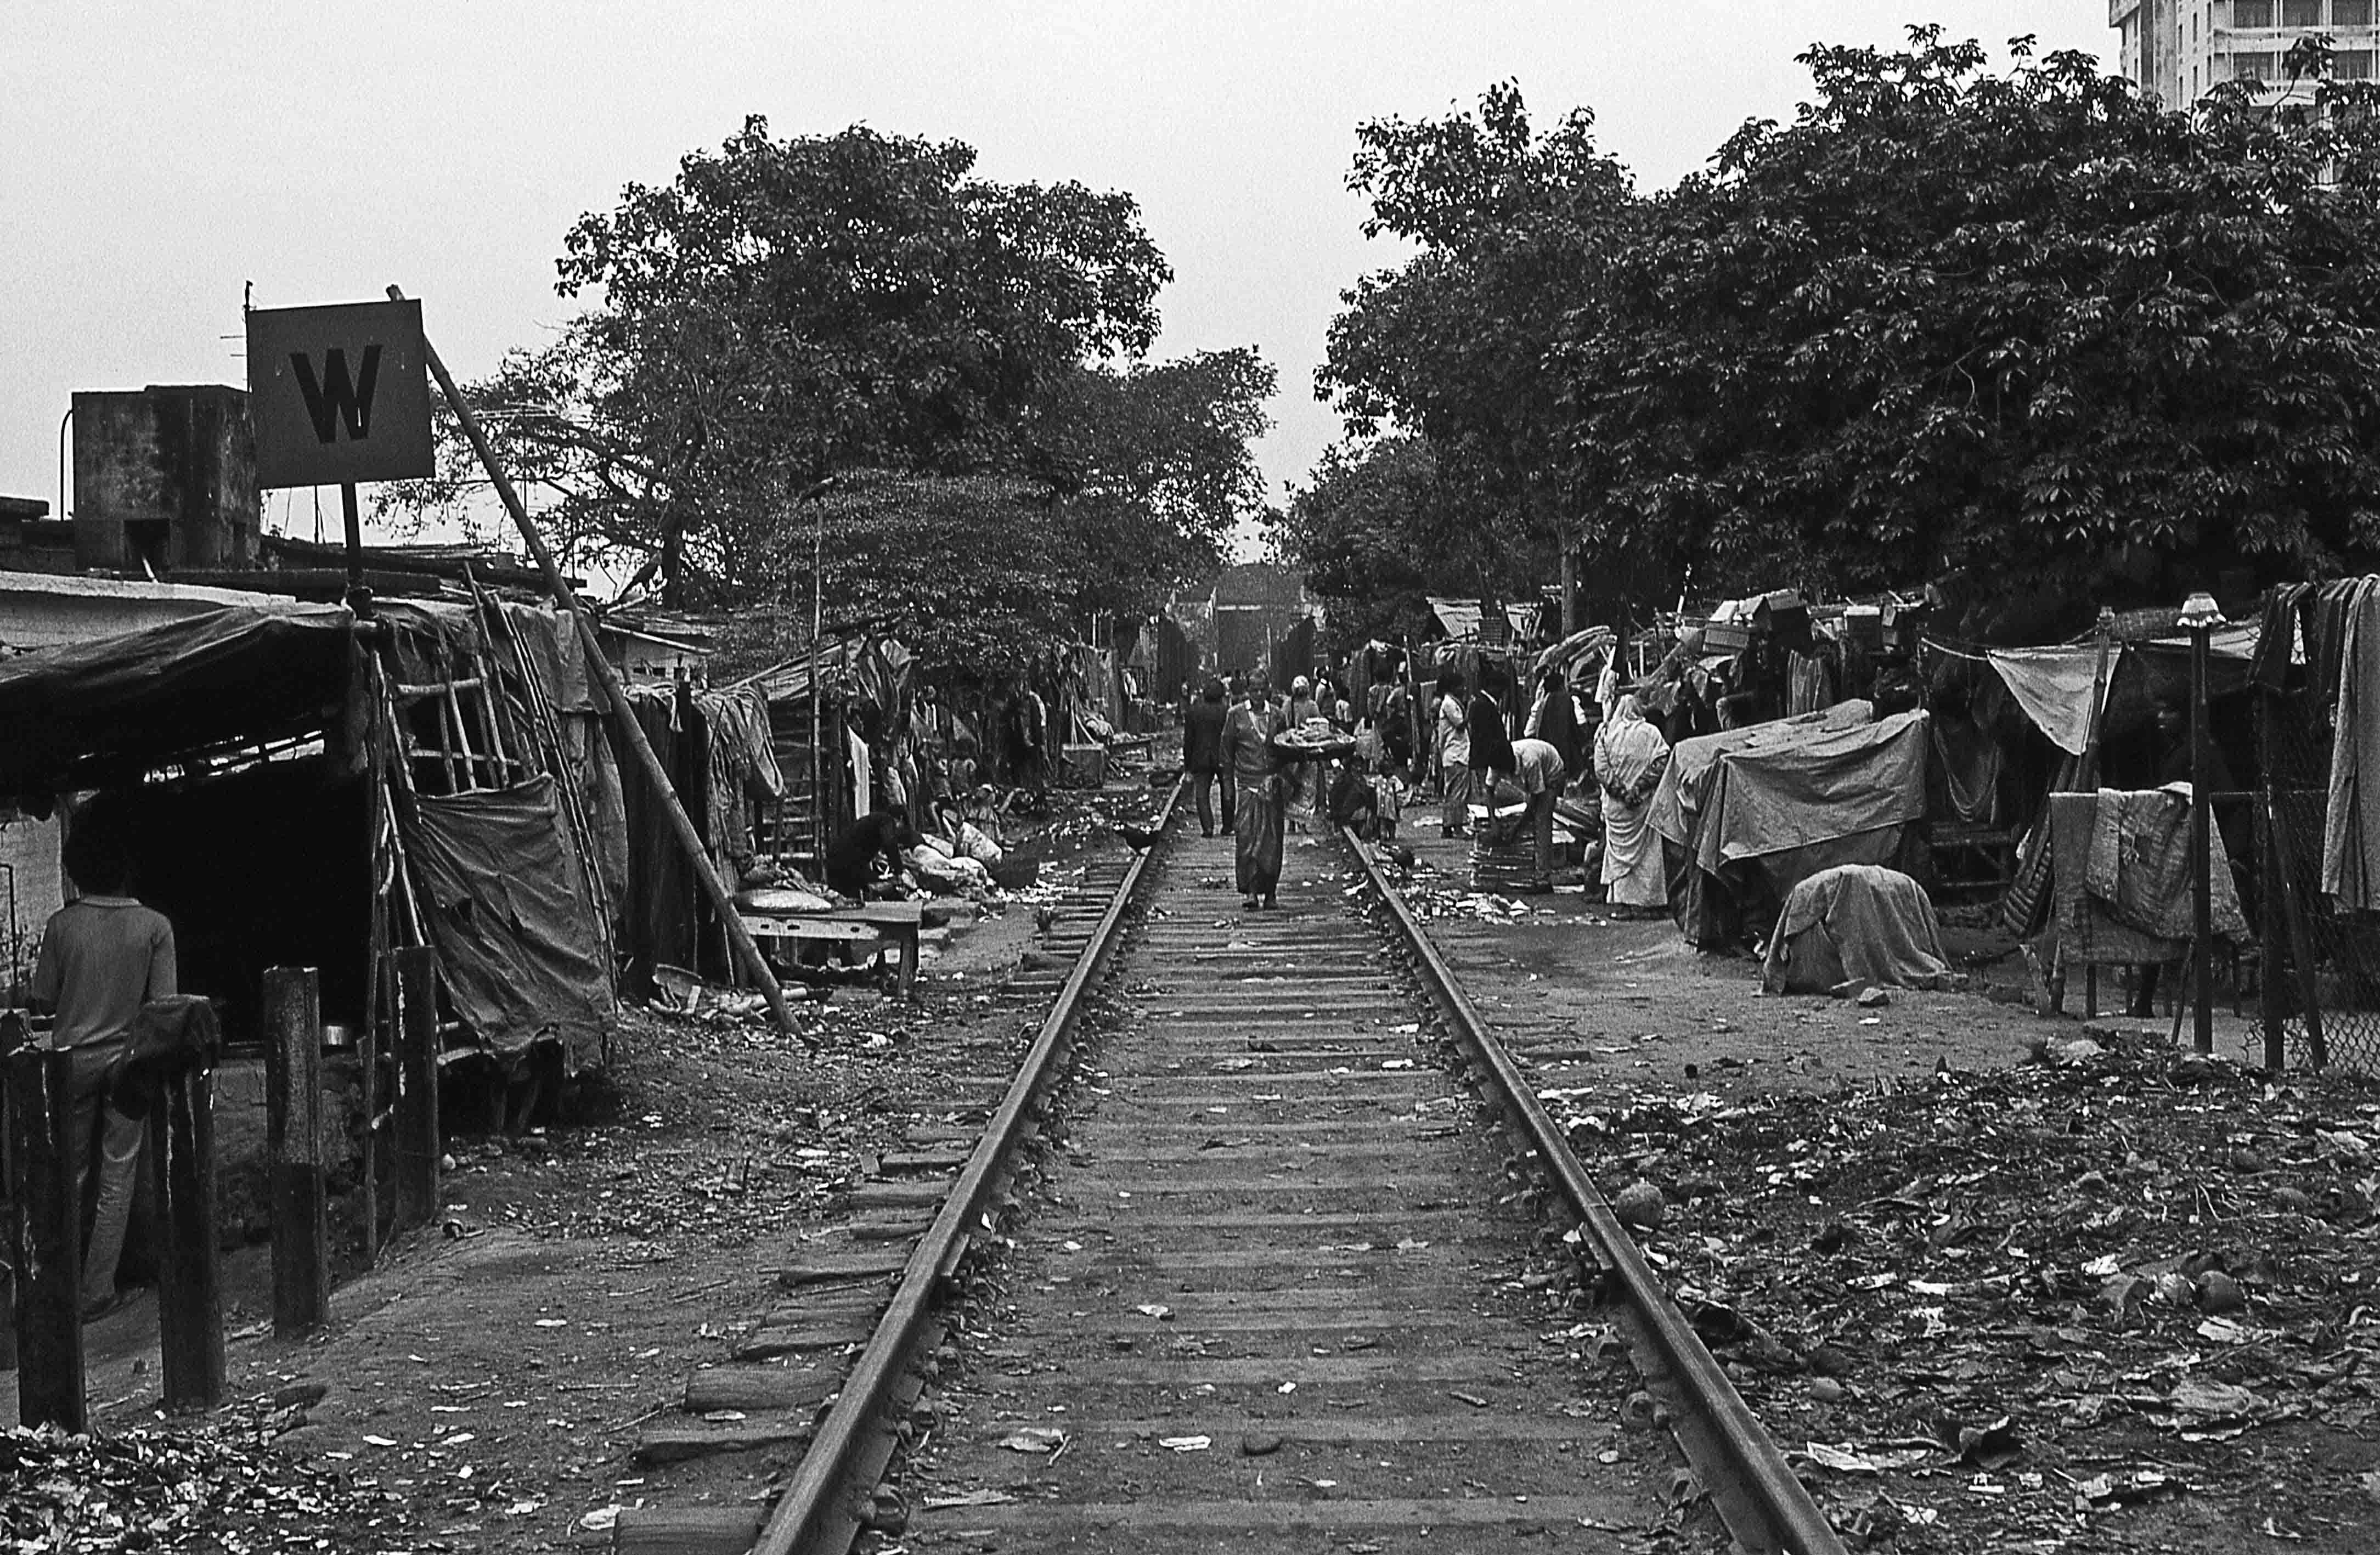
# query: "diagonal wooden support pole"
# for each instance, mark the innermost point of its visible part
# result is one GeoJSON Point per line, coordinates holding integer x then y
{"type": "Point", "coordinates": [739, 939]}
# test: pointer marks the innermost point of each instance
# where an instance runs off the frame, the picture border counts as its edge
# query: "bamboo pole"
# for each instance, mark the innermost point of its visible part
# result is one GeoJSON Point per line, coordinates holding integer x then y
{"type": "Point", "coordinates": [739, 939]}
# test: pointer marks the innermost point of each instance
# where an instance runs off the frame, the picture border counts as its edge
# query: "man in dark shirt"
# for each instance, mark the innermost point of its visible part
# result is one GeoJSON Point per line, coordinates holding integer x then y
{"type": "Point", "coordinates": [1202, 755]}
{"type": "Point", "coordinates": [1491, 736]}
{"type": "Point", "coordinates": [859, 844]}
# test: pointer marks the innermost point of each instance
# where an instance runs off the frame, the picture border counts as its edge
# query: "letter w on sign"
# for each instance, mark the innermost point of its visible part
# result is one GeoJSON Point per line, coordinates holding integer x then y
{"type": "Point", "coordinates": [336, 398]}
{"type": "Point", "coordinates": [339, 393]}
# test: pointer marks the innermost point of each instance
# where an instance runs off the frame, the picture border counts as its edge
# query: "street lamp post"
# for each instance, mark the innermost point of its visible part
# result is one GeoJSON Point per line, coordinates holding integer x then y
{"type": "Point", "coordinates": [2200, 614]}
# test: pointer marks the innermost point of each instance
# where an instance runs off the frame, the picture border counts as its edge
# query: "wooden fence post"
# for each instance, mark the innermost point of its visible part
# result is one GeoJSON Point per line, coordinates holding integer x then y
{"type": "Point", "coordinates": [189, 1295]}
{"type": "Point", "coordinates": [48, 1241]}
{"type": "Point", "coordinates": [414, 1114]}
{"type": "Point", "coordinates": [293, 1142]}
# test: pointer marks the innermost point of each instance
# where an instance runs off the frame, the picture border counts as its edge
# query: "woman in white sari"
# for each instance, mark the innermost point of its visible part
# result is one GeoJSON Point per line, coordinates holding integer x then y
{"type": "Point", "coordinates": [1630, 757]}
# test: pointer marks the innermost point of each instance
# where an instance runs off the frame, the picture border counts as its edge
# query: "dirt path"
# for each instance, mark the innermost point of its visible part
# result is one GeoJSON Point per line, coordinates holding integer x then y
{"type": "Point", "coordinates": [1623, 1008]}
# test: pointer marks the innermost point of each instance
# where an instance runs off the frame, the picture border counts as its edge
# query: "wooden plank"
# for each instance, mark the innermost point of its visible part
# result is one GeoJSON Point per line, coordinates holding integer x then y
{"type": "Point", "coordinates": [872, 1263]}
{"type": "Point", "coordinates": [686, 1530]}
{"type": "Point", "coordinates": [189, 1290]}
{"type": "Point", "coordinates": [415, 1107]}
{"type": "Point", "coordinates": [910, 1194]}
{"type": "Point", "coordinates": [49, 1239]}
{"type": "Point", "coordinates": [890, 1226]}
{"type": "Point", "coordinates": [780, 926]}
{"type": "Point", "coordinates": [293, 1134]}
{"type": "Point", "coordinates": [907, 1162]}
{"type": "Point", "coordinates": [768, 1343]}
{"type": "Point", "coordinates": [674, 1441]}
{"type": "Point", "coordinates": [827, 1306]}
{"type": "Point", "coordinates": [758, 1388]}
{"type": "Point", "coordinates": [1238, 1524]}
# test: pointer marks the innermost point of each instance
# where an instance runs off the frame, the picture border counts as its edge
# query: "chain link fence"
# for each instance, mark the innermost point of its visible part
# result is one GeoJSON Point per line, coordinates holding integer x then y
{"type": "Point", "coordinates": [2321, 967]}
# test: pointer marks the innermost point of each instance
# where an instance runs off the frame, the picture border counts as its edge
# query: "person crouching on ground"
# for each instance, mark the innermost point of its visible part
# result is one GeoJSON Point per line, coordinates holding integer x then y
{"type": "Point", "coordinates": [851, 856]}
{"type": "Point", "coordinates": [1536, 771]}
{"type": "Point", "coordinates": [103, 956]}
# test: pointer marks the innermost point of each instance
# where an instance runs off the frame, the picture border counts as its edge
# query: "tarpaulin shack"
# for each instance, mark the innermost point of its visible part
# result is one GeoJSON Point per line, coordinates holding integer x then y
{"type": "Point", "coordinates": [2133, 681]}
{"type": "Point", "coordinates": [1747, 814]}
{"type": "Point", "coordinates": [303, 789]}
{"type": "Point", "coordinates": [719, 752]}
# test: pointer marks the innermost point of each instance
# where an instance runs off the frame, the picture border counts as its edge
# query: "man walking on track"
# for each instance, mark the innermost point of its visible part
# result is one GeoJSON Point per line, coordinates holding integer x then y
{"type": "Point", "coordinates": [103, 956]}
{"type": "Point", "coordinates": [1256, 792]}
{"type": "Point", "coordinates": [1202, 755]}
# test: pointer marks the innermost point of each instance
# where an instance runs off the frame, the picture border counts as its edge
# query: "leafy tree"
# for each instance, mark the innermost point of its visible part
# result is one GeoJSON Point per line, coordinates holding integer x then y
{"type": "Point", "coordinates": [2027, 331]}
{"type": "Point", "coordinates": [2023, 331]}
{"type": "Point", "coordinates": [785, 309]}
{"type": "Point", "coordinates": [1375, 533]}
{"type": "Point", "coordinates": [1456, 344]}
{"type": "Point", "coordinates": [1158, 463]}
{"type": "Point", "coordinates": [976, 575]}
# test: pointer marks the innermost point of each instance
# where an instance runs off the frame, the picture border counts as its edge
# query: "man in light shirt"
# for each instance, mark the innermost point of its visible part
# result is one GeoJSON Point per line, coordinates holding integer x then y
{"type": "Point", "coordinates": [103, 956]}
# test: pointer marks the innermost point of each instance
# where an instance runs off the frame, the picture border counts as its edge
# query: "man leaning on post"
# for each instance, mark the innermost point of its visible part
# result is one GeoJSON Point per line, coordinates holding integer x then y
{"type": "Point", "coordinates": [103, 956]}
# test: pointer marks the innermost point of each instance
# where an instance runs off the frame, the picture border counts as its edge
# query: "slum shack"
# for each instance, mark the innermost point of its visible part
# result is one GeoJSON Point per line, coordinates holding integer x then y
{"type": "Point", "coordinates": [304, 789]}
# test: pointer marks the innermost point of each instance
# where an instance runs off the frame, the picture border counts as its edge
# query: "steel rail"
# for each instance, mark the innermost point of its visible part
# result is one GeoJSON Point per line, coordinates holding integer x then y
{"type": "Point", "coordinates": [1780, 1515]}
{"type": "Point", "coordinates": [805, 1520]}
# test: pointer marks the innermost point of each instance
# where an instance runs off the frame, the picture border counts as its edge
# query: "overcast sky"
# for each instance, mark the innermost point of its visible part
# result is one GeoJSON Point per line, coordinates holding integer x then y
{"type": "Point", "coordinates": [155, 156]}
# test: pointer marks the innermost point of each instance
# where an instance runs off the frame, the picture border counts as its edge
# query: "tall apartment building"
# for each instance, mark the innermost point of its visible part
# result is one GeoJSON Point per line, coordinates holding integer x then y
{"type": "Point", "coordinates": [2178, 49]}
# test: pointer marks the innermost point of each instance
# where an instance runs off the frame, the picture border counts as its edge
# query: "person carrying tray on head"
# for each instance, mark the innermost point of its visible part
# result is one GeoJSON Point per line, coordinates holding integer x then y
{"type": "Point", "coordinates": [1256, 783]}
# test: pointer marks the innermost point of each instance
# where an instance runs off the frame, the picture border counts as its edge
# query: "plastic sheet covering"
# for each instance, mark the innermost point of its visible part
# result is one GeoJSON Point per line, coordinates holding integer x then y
{"type": "Point", "coordinates": [511, 918]}
{"type": "Point", "coordinates": [2053, 685]}
{"type": "Point", "coordinates": [1747, 814]}
{"type": "Point", "coordinates": [1854, 923]}
{"type": "Point", "coordinates": [1792, 782]}
{"type": "Point", "coordinates": [70, 714]}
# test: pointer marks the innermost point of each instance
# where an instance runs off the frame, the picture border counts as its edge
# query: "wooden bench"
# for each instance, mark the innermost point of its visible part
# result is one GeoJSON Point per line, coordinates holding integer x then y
{"type": "Point", "coordinates": [870, 927]}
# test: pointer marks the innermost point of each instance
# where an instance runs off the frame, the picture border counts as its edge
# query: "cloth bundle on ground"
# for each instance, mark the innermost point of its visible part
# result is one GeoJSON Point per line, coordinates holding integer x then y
{"type": "Point", "coordinates": [943, 873]}
{"type": "Point", "coordinates": [1854, 923]}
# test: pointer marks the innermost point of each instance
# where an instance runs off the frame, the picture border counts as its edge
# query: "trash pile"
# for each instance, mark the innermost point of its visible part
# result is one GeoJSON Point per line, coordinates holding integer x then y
{"type": "Point", "coordinates": [705, 1145]}
{"type": "Point", "coordinates": [2023, 1301]}
{"type": "Point", "coordinates": [217, 1487]}
{"type": "Point", "coordinates": [1432, 895]}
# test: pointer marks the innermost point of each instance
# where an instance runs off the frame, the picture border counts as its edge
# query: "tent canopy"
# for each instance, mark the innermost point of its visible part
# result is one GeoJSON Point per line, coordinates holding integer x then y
{"type": "Point", "coordinates": [2053, 685]}
{"type": "Point", "coordinates": [90, 713]}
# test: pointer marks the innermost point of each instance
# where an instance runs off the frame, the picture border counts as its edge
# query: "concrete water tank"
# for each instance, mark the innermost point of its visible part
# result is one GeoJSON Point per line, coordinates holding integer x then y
{"type": "Point", "coordinates": [164, 479]}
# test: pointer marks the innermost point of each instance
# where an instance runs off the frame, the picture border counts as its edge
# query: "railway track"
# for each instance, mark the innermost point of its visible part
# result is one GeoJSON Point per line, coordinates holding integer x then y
{"type": "Point", "coordinates": [1282, 1281]}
